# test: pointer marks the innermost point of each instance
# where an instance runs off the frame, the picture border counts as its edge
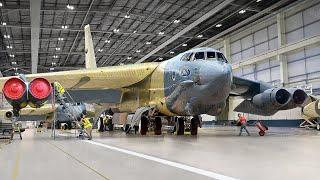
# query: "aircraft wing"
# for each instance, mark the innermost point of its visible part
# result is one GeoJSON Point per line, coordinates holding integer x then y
{"type": "Point", "coordinates": [114, 77]}
{"type": "Point", "coordinates": [247, 88]}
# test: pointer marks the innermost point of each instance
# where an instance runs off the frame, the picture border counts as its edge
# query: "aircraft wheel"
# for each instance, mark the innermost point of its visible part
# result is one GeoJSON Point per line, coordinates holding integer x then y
{"type": "Point", "coordinates": [69, 125]}
{"type": "Point", "coordinates": [194, 126]}
{"type": "Point", "coordinates": [180, 126]}
{"type": "Point", "coordinates": [157, 126]}
{"type": "Point", "coordinates": [144, 125]}
{"type": "Point", "coordinates": [261, 133]}
{"type": "Point", "coordinates": [65, 126]}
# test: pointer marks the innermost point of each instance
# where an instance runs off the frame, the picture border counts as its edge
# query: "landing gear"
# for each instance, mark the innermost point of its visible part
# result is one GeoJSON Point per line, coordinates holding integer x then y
{"type": "Point", "coordinates": [144, 125]}
{"type": "Point", "coordinates": [194, 125]}
{"type": "Point", "coordinates": [180, 126]}
{"type": "Point", "coordinates": [157, 125]}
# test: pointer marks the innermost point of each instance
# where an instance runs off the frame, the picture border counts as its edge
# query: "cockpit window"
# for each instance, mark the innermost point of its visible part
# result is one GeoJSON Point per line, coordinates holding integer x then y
{"type": "Point", "coordinates": [211, 55]}
{"type": "Point", "coordinates": [199, 55]}
{"type": "Point", "coordinates": [186, 57]}
{"type": "Point", "coordinates": [221, 57]}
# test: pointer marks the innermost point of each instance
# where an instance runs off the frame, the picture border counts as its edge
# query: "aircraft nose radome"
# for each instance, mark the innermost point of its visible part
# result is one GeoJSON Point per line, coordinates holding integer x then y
{"type": "Point", "coordinates": [215, 74]}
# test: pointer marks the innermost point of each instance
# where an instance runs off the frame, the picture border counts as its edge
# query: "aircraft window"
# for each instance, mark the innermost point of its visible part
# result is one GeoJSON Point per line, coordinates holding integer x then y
{"type": "Point", "coordinates": [186, 57]}
{"type": "Point", "coordinates": [221, 57]}
{"type": "Point", "coordinates": [199, 55]}
{"type": "Point", "coordinates": [211, 55]}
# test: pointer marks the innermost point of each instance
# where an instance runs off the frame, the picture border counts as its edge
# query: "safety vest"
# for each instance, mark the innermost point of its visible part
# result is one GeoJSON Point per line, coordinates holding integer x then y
{"type": "Point", "coordinates": [87, 123]}
{"type": "Point", "coordinates": [59, 88]}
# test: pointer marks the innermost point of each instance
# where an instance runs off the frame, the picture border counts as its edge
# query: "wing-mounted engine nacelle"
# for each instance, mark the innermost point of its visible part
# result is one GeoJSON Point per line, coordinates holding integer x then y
{"type": "Point", "coordinates": [298, 98]}
{"type": "Point", "coordinates": [274, 97]}
{"type": "Point", "coordinates": [19, 93]}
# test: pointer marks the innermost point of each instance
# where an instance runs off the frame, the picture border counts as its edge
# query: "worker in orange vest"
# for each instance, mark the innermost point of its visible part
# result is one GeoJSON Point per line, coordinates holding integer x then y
{"type": "Point", "coordinates": [243, 122]}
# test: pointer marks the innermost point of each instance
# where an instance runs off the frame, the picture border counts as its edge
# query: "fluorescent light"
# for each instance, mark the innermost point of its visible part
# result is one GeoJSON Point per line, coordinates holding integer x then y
{"type": "Point", "coordinates": [184, 45]}
{"type": "Point", "coordinates": [51, 69]}
{"type": "Point", "coordinates": [55, 56]}
{"type": "Point", "coordinates": [14, 63]}
{"type": "Point", "coordinates": [9, 47]}
{"type": "Point", "coordinates": [171, 52]}
{"type": "Point", "coordinates": [200, 36]}
{"type": "Point", "coordinates": [160, 58]}
{"type": "Point", "coordinates": [1, 4]}
{"type": "Point", "coordinates": [70, 7]}
{"type": "Point", "coordinates": [107, 41]}
{"type": "Point", "coordinates": [53, 63]}
{"type": "Point", "coordinates": [11, 55]}
{"type": "Point", "coordinates": [6, 36]}
{"type": "Point", "coordinates": [60, 39]}
{"type": "Point", "coordinates": [134, 31]}
{"type": "Point", "coordinates": [161, 33]}
{"type": "Point", "coordinates": [129, 57]}
{"type": "Point", "coordinates": [127, 16]}
{"type": "Point", "coordinates": [137, 51]}
{"type": "Point", "coordinates": [176, 21]}
{"type": "Point", "coordinates": [116, 30]}
{"type": "Point", "coordinates": [100, 50]}
{"type": "Point", "coordinates": [4, 23]}
{"type": "Point", "coordinates": [64, 27]}
{"type": "Point", "coordinates": [148, 42]}
{"type": "Point", "coordinates": [218, 25]}
{"type": "Point", "coordinates": [242, 11]}
{"type": "Point", "coordinates": [57, 49]}
{"type": "Point", "coordinates": [258, 0]}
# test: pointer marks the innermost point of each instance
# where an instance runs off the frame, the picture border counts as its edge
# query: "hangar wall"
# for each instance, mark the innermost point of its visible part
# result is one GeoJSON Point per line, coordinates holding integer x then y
{"type": "Point", "coordinates": [282, 49]}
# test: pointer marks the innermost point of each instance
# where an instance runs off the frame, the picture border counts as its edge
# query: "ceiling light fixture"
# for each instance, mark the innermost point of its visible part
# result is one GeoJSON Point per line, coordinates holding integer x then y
{"type": "Point", "coordinates": [242, 11]}
{"type": "Point", "coordinates": [137, 51]}
{"type": "Point", "coordinates": [57, 49]}
{"type": "Point", "coordinates": [184, 45]}
{"type": "Point", "coordinates": [200, 36]}
{"type": "Point", "coordinates": [218, 25]}
{"type": "Point", "coordinates": [6, 36]}
{"type": "Point", "coordinates": [60, 39]}
{"type": "Point", "coordinates": [100, 50]}
{"type": "Point", "coordinates": [134, 31]}
{"type": "Point", "coordinates": [129, 57]}
{"type": "Point", "coordinates": [55, 56]}
{"type": "Point", "coordinates": [171, 52]}
{"type": "Point", "coordinates": [13, 63]}
{"type": "Point", "coordinates": [1, 4]}
{"type": "Point", "coordinates": [127, 16]}
{"type": "Point", "coordinates": [107, 41]}
{"type": "Point", "coordinates": [53, 63]}
{"type": "Point", "coordinates": [258, 0]}
{"type": "Point", "coordinates": [116, 30]}
{"type": "Point", "coordinates": [160, 58]}
{"type": "Point", "coordinates": [161, 33]}
{"type": "Point", "coordinates": [176, 21]}
{"type": "Point", "coordinates": [64, 27]}
{"type": "Point", "coordinates": [9, 47]}
{"type": "Point", "coordinates": [148, 43]}
{"type": "Point", "coordinates": [4, 23]}
{"type": "Point", "coordinates": [11, 55]}
{"type": "Point", "coordinates": [70, 7]}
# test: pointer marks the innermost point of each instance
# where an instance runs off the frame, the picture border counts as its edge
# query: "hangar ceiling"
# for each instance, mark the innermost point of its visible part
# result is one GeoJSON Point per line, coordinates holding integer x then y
{"type": "Point", "coordinates": [124, 31]}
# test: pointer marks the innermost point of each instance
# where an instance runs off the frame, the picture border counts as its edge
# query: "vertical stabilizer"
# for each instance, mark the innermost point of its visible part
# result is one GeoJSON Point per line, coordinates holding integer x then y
{"type": "Point", "coordinates": [89, 50]}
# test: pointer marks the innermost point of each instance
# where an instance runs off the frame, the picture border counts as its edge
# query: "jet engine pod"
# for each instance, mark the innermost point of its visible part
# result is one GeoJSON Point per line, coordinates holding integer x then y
{"type": "Point", "coordinates": [299, 96]}
{"type": "Point", "coordinates": [274, 97]}
{"type": "Point", "coordinates": [15, 91]}
{"type": "Point", "coordinates": [39, 92]}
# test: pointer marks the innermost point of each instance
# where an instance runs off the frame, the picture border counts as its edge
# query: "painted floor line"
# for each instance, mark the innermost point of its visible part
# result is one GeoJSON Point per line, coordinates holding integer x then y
{"type": "Point", "coordinates": [166, 162]}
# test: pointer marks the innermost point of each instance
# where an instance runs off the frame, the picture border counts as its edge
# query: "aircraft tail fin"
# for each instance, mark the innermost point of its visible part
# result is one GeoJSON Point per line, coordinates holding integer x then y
{"type": "Point", "coordinates": [89, 50]}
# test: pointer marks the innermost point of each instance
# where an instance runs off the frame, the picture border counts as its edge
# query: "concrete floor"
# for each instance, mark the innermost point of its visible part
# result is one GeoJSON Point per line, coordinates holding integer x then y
{"type": "Point", "coordinates": [217, 153]}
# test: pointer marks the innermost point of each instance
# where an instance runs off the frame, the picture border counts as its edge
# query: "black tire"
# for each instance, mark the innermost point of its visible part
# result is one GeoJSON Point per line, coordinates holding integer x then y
{"type": "Point", "coordinates": [100, 125]}
{"type": "Point", "coordinates": [144, 125]}
{"type": "Point", "coordinates": [110, 125]}
{"type": "Point", "coordinates": [69, 124]}
{"type": "Point", "coordinates": [194, 126]}
{"type": "Point", "coordinates": [157, 126]}
{"type": "Point", "coordinates": [180, 126]}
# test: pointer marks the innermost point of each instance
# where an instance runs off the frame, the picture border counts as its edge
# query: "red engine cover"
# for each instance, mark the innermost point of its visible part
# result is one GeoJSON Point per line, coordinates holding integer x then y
{"type": "Point", "coordinates": [40, 88]}
{"type": "Point", "coordinates": [14, 89]}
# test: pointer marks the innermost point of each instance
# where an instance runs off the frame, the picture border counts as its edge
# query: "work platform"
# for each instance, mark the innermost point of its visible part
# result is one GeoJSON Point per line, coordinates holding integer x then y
{"type": "Point", "coordinates": [216, 153]}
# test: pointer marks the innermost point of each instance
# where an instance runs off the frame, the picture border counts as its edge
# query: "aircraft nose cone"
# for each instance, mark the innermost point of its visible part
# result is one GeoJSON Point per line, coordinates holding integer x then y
{"type": "Point", "coordinates": [215, 74]}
